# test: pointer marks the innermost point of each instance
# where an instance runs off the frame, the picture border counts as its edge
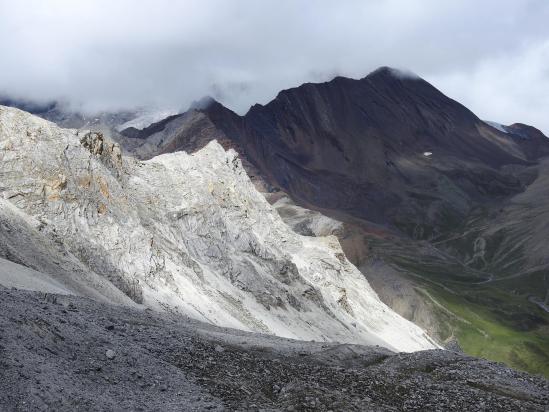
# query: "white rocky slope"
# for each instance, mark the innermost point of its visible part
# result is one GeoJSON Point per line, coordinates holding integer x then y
{"type": "Point", "coordinates": [182, 233]}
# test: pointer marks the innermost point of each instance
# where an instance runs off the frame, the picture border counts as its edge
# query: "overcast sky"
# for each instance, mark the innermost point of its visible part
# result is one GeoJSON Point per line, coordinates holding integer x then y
{"type": "Point", "coordinates": [493, 56]}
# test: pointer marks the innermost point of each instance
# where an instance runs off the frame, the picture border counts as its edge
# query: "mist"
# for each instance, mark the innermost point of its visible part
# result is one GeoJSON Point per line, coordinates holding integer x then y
{"type": "Point", "coordinates": [493, 56]}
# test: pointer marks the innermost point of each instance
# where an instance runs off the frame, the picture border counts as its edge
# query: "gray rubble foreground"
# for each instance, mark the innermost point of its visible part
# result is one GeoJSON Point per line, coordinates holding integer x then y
{"type": "Point", "coordinates": [55, 355]}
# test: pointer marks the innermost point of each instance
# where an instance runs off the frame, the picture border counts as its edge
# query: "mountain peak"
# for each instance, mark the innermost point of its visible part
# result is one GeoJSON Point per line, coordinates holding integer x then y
{"type": "Point", "coordinates": [203, 103]}
{"type": "Point", "coordinates": [386, 71]}
{"type": "Point", "coordinates": [526, 131]}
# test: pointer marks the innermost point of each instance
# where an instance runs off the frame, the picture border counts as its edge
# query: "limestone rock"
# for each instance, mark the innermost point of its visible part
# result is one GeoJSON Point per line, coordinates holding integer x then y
{"type": "Point", "coordinates": [181, 233]}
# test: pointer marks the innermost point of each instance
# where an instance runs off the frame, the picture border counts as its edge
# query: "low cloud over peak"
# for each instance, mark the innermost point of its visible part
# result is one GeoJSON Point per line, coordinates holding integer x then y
{"type": "Point", "coordinates": [100, 55]}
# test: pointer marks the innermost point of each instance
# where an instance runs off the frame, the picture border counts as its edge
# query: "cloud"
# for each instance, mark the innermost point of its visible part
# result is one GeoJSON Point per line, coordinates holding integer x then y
{"type": "Point", "coordinates": [100, 54]}
{"type": "Point", "coordinates": [404, 73]}
{"type": "Point", "coordinates": [509, 88]}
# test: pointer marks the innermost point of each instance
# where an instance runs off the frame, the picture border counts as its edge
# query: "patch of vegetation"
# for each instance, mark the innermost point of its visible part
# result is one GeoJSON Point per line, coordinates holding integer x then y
{"type": "Point", "coordinates": [495, 320]}
{"type": "Point", "coordinates": [489, 333]}
{"type": "Point", "coordinates": [438, 271]}
{"type": "Point", "coordinates": [535, 283]}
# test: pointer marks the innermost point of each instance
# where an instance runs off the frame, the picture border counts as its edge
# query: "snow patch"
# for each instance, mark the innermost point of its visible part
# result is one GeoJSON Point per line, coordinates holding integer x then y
{"type": "Point", "coordinates": [147, 117]}
{"type": "Point", "coordinates": [497, 126]}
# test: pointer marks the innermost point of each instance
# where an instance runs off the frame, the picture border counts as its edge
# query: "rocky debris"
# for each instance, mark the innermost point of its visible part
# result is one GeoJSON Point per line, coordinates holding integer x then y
{"type": "Point", "coordinates": [110, 354]}
{"type": "Point", "coordinates": [181, 233]}
{"type": "Point", "coordinates": [56, 361]}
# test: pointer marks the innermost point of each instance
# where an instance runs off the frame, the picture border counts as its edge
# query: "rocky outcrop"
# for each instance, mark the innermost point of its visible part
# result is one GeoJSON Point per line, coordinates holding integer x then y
{"type": "Point", "coordinates": [62, 114]}
{"type": "Point", "coordinates": [182, 233]}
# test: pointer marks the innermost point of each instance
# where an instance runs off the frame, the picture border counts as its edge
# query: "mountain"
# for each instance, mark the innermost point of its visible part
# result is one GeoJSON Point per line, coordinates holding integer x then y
{"type": "Point", "coordinates": [443, 212]}
{"type": "Point", "coordinates": [383, 148]}
{"type": "Point", "coordinates": [195, 277]}
{"type": "Point", "coordinates": [182, 233]}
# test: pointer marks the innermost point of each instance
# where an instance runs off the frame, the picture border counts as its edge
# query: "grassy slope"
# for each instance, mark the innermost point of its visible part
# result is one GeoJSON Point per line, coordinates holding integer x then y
{"type": "Point", "coordinates": [494, 320]}
{"type": "Point", "coordinates": [483, 333]}
{"type": "Point", "coordinates": [489, 321]}
{"type": "Point", "coordinates": [482, 271]}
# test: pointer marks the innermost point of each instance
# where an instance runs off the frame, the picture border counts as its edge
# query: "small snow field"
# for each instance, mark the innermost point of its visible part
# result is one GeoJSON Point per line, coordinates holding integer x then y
{"type": "Point", "coordinates": [497, 126]}
{"type": "Point", "coordinates": [21, 277]}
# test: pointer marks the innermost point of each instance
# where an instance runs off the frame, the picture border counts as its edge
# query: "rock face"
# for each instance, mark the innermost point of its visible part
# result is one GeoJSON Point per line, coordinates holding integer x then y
{"type": "Point", "coordinates": [183, 233]}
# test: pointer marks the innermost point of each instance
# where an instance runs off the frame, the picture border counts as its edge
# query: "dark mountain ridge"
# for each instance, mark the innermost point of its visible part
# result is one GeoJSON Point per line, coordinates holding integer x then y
{"type": "Point", "coordinates": [388, 148]}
